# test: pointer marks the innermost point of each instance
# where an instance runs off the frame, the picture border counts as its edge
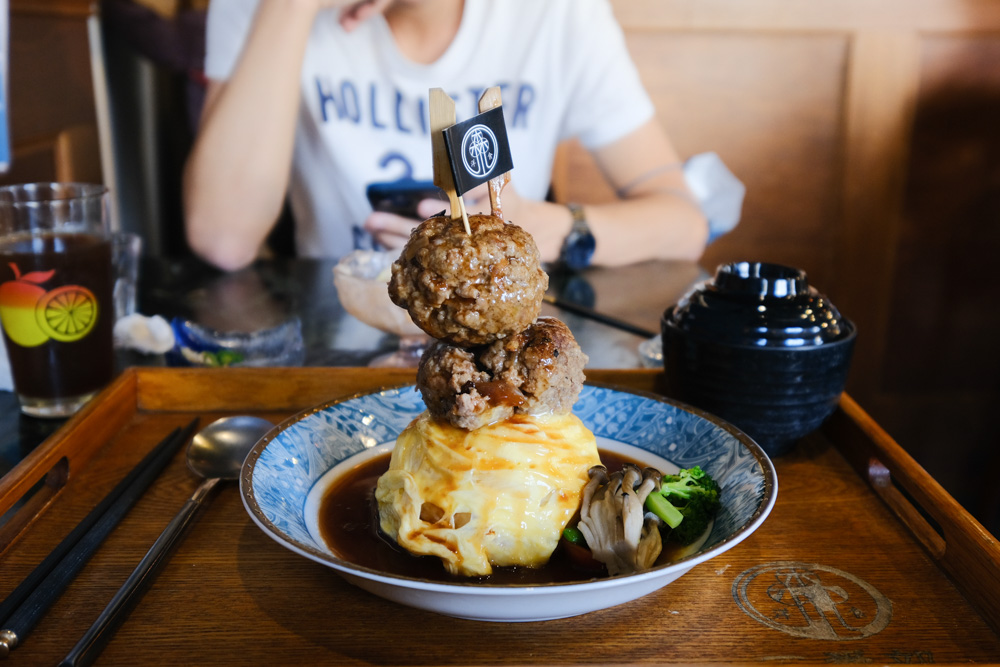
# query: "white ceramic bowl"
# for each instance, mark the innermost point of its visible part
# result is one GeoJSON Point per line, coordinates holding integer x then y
{"type": "Point", "coordinates": [283, 476]}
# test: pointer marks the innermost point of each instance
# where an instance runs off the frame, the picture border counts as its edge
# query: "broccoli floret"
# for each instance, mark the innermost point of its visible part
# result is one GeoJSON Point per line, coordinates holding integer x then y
{"type": "Point", "coordinates": [686, 502]}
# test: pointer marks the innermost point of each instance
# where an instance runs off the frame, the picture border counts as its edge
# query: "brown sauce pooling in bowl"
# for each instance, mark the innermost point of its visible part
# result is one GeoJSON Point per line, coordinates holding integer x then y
{"type": "Point", "coordinates": [348, 522]}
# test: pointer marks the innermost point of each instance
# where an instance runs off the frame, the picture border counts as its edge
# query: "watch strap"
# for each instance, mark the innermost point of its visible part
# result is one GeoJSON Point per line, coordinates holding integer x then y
{"type": "Point", "coordinates": [579, 245]}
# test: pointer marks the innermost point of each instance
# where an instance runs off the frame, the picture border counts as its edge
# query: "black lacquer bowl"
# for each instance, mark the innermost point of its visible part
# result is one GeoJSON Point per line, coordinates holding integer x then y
{"type": "Point", "coordinates": [760, 348]}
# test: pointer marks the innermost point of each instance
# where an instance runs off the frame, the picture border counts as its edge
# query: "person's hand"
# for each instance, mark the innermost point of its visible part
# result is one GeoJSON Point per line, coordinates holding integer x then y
{"type": "Point", "coordinates": [353, 13]}
{"type": "Point", "coordinates": [477, 200]}
{"type": "Point", "coordinates": [391, 231]}
{"type": "Point", "coordinates": [547, 223]}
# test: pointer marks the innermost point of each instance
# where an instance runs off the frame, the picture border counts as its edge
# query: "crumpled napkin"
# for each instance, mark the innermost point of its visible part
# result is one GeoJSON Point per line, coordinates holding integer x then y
{"type": "Point", "coordinates": [718, 192]}
{"type": "Point", "coordinates": [146, 334]}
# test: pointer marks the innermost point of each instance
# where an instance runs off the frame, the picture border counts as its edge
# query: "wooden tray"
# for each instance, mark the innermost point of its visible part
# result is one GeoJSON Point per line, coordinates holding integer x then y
{"type": "Point", "coordinates": [864, 558]}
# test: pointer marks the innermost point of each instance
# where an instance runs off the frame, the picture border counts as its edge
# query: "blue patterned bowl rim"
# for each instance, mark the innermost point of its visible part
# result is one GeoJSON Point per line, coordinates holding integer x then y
{"type": "Point", "coordinates": [280, 470]}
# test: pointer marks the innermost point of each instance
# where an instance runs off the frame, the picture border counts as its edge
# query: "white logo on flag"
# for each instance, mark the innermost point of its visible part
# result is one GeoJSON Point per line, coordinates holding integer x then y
{"type": "Point", "coordinates": [479, 151]}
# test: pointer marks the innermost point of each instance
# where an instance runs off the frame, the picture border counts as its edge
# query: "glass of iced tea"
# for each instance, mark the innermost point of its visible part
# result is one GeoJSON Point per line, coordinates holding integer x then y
{"type": "Point", "coordinates": [56, 282]}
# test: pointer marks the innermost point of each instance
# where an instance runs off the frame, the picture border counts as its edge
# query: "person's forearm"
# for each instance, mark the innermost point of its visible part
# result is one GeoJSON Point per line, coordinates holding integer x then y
{"type": "Point", "coordinates": [656, 226]}
{"type": "Point", "coordinates": [237, 174]}
{"type": "Point", "coordinates": [665, 226]}
{"type": "Point", "coordinates": [656, 217]}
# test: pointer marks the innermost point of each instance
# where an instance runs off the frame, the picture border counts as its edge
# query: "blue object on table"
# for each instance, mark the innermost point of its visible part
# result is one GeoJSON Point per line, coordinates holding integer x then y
{"type": "Point", "coordinates": [4, 106]}
{"type": "Point", "coordinates": [200, 346]}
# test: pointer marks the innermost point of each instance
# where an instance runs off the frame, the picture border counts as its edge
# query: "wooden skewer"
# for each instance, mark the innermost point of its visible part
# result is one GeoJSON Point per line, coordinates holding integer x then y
{"type": "Point", "coordinates": [442, 116]}
{"type": "Point", "coordinates": [465, 214]}
{"type": "Point", "coordinates": [491, 100]}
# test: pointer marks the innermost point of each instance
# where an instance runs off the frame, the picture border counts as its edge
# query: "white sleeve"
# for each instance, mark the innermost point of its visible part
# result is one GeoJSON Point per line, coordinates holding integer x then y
{"type": "Point", "coordinates": [227, 28]}
{"type": "Point", "coordinates": [608, 100]}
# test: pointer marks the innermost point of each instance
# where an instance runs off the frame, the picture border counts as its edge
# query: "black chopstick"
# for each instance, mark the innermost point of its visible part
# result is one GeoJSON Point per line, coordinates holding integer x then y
{"type": "Point", "coordinates": [22, 609]}
{"type": "Point", "coordinates": [598, 317]}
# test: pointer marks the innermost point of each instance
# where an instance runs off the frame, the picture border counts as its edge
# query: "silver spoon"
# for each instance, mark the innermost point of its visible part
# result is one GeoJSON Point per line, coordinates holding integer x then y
{"type": "Point", "coordinates": [216, 453]}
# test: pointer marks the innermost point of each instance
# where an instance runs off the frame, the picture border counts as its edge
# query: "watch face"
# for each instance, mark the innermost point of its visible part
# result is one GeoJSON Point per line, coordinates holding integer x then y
{"type": "Point", "coordinates": [579, 250]}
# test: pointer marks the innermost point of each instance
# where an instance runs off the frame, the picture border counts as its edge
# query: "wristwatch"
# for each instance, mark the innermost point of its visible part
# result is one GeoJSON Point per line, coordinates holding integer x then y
{"type": "Point", "coordinates": [578, 246]}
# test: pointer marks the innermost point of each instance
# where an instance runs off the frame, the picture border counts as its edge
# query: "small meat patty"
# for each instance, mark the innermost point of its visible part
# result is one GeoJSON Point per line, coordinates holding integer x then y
{"type": "Point", "coordinates": [535, 371]}
{"type": "Point", "coordinates": [469, 290]}
{"type": "Point", "coordinates": [456, 390]}
{"type": "Point", "coordinates": [544, 362]}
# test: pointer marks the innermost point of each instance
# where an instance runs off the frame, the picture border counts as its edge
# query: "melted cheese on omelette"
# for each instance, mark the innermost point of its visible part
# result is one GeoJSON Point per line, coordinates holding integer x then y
{"type": "Point", "coordinates": [497, 496]}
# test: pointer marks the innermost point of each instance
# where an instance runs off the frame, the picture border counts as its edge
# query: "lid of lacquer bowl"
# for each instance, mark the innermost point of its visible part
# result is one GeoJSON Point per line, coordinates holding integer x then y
{"type": "Point", "coordinates": [758, 304]}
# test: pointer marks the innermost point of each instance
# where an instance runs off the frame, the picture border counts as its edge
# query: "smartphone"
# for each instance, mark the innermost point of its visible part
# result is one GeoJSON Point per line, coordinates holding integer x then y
{"type": "Point", "coordinates": [401, 197]}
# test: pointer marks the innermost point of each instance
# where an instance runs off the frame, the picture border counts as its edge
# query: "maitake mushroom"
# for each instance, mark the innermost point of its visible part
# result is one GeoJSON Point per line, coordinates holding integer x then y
{"type": "Point", "coordinates": [618, 531]}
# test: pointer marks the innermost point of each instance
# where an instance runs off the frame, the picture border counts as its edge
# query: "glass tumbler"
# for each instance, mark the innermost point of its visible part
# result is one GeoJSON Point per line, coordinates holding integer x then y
{"type": "Point", "coordinates": [56, 305]}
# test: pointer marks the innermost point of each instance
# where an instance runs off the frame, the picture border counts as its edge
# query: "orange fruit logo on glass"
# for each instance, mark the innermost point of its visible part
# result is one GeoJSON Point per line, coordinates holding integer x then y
{"type": "Point", "coordinates": [31, 315]}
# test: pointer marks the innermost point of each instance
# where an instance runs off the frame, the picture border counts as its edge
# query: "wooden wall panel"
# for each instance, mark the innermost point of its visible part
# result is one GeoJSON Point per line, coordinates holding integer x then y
{"type": "Point", "coordinates": [882, 86]}
{"type": "Point", "coordinates": [771, 107]}
{"type": "Point", "coordinates": [50, 84]}
{"type": "Point", "coordinates": [941, 378]}
{"type": "Point", "coordinates": [32, 162]}
{"type": "Point", "coordinates": [812, 16]}
{"type": "Point", "coordinates": [950, 236]}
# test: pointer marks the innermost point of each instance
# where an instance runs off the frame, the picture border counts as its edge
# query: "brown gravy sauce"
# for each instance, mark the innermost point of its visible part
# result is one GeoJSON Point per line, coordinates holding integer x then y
{"type": "Point", "coordinates": [348, 523]}
{"type": "Point", "coordinates": [498, 392]}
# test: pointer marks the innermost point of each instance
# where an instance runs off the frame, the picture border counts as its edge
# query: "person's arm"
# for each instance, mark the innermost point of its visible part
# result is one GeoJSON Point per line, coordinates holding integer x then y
{"type": "Point", "coordinates": [237, 174]}
{"type": "Point", "coordinates": [657, 217]}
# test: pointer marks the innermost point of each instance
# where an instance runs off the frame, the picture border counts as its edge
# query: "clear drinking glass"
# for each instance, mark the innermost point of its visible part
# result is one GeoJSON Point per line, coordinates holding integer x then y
{"type": "Point", "coordinates": [56, 282]}
{"type": "Point", "coordinates": [126, 253]}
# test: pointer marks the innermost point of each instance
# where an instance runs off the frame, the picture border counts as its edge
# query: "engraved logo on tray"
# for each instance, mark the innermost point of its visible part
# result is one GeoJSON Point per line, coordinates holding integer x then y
{"type": "Point", "coordinates": [812, 601]}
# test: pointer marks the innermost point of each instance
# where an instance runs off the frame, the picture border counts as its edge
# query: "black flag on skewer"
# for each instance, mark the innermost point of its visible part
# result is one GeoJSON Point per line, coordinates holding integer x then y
{"type": "Point", "coordinates": [478, 149]}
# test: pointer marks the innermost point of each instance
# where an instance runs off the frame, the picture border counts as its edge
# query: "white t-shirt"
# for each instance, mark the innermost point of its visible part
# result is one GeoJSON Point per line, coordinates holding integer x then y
{"type": "Point", "coordinates": [563, 69]}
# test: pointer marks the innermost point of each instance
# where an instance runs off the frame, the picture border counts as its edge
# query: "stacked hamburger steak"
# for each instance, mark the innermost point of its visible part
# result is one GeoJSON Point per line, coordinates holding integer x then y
{"type": "Point", "coordinates": [479, 295]}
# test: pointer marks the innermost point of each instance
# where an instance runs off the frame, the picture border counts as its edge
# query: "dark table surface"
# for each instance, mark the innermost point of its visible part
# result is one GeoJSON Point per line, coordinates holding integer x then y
{"type": "Point", "coordinates": [272, 290]}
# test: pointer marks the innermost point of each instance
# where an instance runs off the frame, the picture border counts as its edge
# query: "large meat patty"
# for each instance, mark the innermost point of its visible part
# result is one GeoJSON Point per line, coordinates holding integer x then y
{"type": "Point", "coordinates": [535, 371]}
{"type": "Point", "coordinates": [469, 289]}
